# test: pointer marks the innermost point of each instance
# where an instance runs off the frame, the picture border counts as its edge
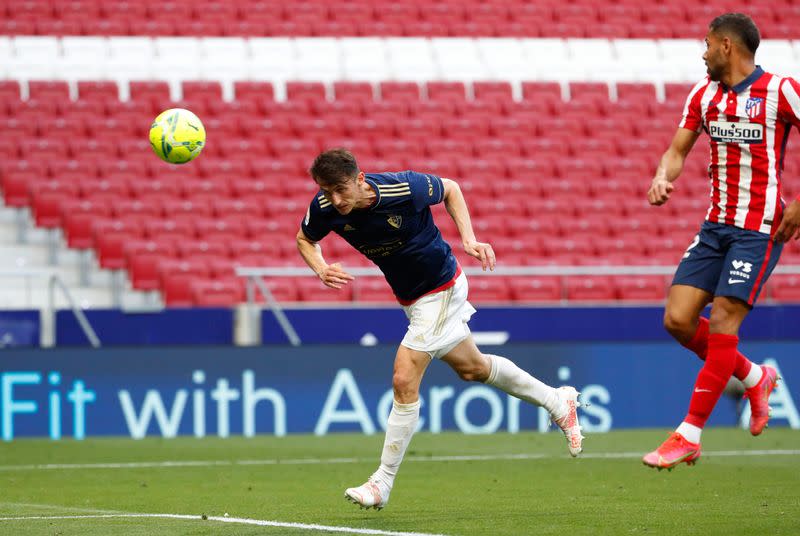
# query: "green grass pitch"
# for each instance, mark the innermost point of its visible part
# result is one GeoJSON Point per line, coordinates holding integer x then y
{"type": "Point", "coordinates": [487, 491]}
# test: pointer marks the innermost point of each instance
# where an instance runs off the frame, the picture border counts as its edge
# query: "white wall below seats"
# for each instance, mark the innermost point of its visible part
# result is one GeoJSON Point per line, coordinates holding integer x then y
{"type": "Point", "coordinates": [175, 59]}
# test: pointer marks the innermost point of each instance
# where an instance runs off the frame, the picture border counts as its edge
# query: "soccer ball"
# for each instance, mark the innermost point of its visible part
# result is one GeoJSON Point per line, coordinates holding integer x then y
{"type": "Point", "coordinates": [177, 136]}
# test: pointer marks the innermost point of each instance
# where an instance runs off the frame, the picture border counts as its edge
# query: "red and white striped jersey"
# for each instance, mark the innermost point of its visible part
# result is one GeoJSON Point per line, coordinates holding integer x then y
{"type": "Point", "coordinates": [748, 126]}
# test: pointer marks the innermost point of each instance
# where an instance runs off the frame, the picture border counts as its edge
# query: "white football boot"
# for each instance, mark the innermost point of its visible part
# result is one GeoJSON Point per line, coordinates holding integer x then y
{"type": "Point", "coordinates": [370, 494]}
{"type": "Point", "coordinates": [569, 422]}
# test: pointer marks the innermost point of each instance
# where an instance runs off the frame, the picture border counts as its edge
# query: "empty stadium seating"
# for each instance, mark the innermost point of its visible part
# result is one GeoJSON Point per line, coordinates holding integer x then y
{"type": "Point", "coordinates": [551, 116]}
{"type": "Point", "coordinates": [440, 18]}
{"type": "Point", "coordinates": [575, 200]}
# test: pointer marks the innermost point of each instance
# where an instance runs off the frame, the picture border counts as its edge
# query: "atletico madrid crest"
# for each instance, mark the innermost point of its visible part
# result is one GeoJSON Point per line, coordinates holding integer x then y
{"type": "Point", "coordinates": [753, 107]}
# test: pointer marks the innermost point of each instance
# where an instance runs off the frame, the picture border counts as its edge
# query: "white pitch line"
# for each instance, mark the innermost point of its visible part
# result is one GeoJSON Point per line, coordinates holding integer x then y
{"type": "Point", "coordinates": [320, 461]}
{"type": "Point", "coordinates": [237, 520]}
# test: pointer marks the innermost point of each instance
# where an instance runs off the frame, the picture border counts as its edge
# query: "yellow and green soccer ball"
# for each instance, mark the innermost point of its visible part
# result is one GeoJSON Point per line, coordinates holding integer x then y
{"type": "Point", "coordinates": [177, 136]}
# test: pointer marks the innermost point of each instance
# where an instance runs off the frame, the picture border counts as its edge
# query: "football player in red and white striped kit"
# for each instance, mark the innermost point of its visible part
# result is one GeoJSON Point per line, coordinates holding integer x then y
{"type": "Point", "coordinates": [747, 114]}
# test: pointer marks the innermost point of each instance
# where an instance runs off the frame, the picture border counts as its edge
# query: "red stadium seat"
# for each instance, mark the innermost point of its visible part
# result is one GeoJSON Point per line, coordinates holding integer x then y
{"type": "Point", "coordinates": [17, 128]}
{"type": "Point", "coordinates": [305, 91]}
{"type": "Point", "coordinates": [492, 91]}
{"type": "Point", "coordinates": [254, 91]}
{"type": "Point", "coordinates": [91, 147]}
{"type": "Point", "coordinates": [488, 290]}
{"type": "Point", "coordinates": [174, 228]}
{"type": "Point", "coordinates": [142, 258]}
{"type": "Point", "coordinates": [358, 91]}
{"type": "Point", "coordinates": [201, 90]}
{"type": "Point", "coordinates": [340, 109]}
{"type": "Point", "coordinates": [34, 147]}
{"type": "Point", "coordinates": [110, 237]}
{"type": "Point", "coordinates": [63, 127]}
{"type": "Point", "coordinates": [535, 289]}
{"type": "Point", "coordinates": [219, 12]}
{"type": "Point", "coordinates": [141, 111]}
{"type": "Point", "coordinates": [150, 92]}
{"type": "Point", "coordinates": [250, 188]}
{"type": "Point", "coordinates": [642, 288]}
{"type": "Point", "coordinates": [209, 228]}
{"type": "Point", "coordinates": [785, 288]}
{"type": "Point", "coordinates": [145, 208]}
{"type": "Point", "coordinates": [541, 90]}
{"type": "Point", "coordinates": [48, 90]}
{"type": "Point", "coordinates": [8, 149]}
{"type": "Point", "coordinates": [245, 207]}
{"type": "Point", "coordinates": [590, 288]}
{"type": "Point", "coordinates": [176, 277]}
{"type": "Point", "coordinates": [312, 290]}
{"type": "Point", "coordinates": [399, 91]}
{"type": "Point", "coordinates": [9, 91]}
{"type": "Point", "coordinates": [78, 216]}
{"type": "Point", "coordinates": [91, 187]}
{"type": "Point", "coordinates": [46, 199]}
{"type": "Point", "coordinates": [217, 293]}
{"type": "Point", "coordinates": [154, 28]}
{"type": "Point", "coordinates": [196, 249]}
{"type": "Point", "coordinates": [446, 91]}
{"type": "Point", "coordinates": [373, 289]}
{"type": "Point", "coordinates": [33, 9]}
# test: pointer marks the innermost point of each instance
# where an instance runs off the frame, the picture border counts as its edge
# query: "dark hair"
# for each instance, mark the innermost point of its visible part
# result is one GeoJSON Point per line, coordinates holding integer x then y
{"type": "Point", "coordinates": [334, 166]}
{"type": "Point", "coordinates": [739, 26]}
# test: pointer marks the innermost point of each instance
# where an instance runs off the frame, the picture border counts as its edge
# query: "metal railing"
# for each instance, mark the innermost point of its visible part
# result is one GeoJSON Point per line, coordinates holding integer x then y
{"type": "Point", "coordinates": [47, 336]}
{"type": "Point", "coordinates": [255, 280]}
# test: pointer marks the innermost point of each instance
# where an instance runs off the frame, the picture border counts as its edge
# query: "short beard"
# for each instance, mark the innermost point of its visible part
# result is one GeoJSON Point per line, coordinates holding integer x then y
{"type": "Point", "coordinates": [714, 74]}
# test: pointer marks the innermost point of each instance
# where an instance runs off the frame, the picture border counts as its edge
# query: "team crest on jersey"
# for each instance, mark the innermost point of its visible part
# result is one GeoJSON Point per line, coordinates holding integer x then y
{"type": "Point", "coordinates": [753, 107]}
{"type": "Point", "coordinates": [395, 221]}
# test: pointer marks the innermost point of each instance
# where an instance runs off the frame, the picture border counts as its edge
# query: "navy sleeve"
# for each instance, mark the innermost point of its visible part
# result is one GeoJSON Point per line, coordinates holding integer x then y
{"type": "Point", "coordinates": [315, 224]}
{"type": "Point", "coordinates": [426, 189]}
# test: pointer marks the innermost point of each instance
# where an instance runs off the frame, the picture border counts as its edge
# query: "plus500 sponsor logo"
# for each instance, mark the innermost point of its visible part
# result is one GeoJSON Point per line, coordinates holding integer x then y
{"type": "Point", "coordinates": [729, 132]}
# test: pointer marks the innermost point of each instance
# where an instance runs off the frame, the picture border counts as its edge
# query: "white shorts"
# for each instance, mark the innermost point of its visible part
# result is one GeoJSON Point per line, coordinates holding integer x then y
{"type": "Point", "coordinates": [438, 321]}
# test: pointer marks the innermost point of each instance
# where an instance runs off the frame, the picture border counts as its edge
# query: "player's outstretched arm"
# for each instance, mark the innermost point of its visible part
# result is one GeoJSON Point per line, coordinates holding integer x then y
{"type": "Point", "coordinates": [332, 275]}
{"type": "Point", "coordinates": [670, 166]}
{"type": "Point", "coordinates": [456, 206]}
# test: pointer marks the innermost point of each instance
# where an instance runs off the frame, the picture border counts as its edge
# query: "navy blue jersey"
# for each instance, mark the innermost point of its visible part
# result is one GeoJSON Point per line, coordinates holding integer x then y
{"type": "Point", "coordinates": [397, 232]}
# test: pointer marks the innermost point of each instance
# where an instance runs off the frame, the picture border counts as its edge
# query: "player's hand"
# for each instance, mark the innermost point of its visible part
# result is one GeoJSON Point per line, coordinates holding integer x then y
{"type": "Point", "coordinates": [481, 251]}
{"type": "Point", "coordinates": [659, 191]}
{"type": "Point", "coordinates": [334, 276]}
{"type": "Point", "coordinates": [790, 224]}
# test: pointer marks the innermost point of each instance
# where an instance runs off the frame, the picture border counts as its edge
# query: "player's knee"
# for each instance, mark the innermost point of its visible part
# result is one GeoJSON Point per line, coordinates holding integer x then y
{"type": "Point", "coordinates": [404, 386]}
{"type": "Point", "coordinates": [679, 326]}
{"type": "Point", "coordinates": [473, 372]}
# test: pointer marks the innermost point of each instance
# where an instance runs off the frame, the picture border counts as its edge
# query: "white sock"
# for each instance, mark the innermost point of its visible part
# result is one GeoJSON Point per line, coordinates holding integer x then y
{"type": "Point", "coordinates": [753, 377]}
{"type": "Point", "coordinates": [401, 426]}
{"type": "Point", "coordinates": [508, 377]}
{"type": "Point", "coordinates": [690, 432]}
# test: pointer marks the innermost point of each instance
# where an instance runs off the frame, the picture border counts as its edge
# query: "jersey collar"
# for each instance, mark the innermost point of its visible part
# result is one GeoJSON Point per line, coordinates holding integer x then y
{"type": "Point", "coordinates": [747, 82]}
{"type": "Point", "coordinates": [374, 186]}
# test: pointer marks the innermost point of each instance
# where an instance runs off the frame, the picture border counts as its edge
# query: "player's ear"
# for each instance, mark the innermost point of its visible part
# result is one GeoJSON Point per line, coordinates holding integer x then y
{"type": "Point", "coordinates": [726, 44]}
{"type": "Point", "coordinates": [360, 177]}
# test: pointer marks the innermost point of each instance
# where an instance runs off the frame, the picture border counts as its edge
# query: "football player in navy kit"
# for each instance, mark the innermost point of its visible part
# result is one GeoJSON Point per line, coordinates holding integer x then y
{"type": "Point", "coordinates": [387, 217]}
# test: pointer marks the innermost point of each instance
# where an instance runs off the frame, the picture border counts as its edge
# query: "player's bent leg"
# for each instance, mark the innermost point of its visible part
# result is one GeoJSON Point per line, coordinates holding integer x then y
{"type": "Point", "coordinates": [409, 367]}
{"type": "Point", "coordinates": [681, 314]}
{"type": "Point", "coordinates": [683, 321]}
{"type": "Point", "coordinates": [562, 404]}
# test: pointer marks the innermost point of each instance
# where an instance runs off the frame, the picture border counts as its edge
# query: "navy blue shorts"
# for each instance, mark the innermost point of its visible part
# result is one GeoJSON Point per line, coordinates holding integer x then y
{"type": "Point", "coordinates": [728, 261]}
